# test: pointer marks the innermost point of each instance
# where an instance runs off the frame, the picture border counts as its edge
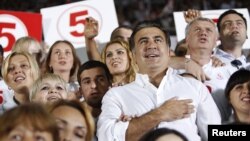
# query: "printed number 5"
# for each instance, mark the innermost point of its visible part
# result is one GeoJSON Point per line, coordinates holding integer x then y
{"type": "Point", "coordinates": [9, 36]}
{"type": "Point", "coordinates": [74, 22]}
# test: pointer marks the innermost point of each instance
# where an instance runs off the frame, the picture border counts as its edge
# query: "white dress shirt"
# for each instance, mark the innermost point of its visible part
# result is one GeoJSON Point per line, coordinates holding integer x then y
{"type": "Point", "coordinates": [218, 76]}
{"type": "Point", "coordinates": [140, 97]}
{"type": "Point", "coordinates": [228, 58]}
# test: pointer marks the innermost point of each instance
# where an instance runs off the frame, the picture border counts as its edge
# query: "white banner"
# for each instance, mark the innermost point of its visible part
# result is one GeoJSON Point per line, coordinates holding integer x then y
{"type": "Point", "coordinates": [66, 22]}
{"type": "Point", "coordinates": [180, 23]}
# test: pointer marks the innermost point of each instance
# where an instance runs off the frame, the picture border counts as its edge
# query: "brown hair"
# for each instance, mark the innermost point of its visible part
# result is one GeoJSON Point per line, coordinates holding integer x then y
{"type": "Point", "coordinates": [76, 62]}
{"type": "Point", "coordinates": [31, 115]}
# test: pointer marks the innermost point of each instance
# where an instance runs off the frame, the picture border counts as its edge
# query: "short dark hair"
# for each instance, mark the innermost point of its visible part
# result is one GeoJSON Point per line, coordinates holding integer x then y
{"type": "Point", "coordinates": [239, 77]}
{"type": "Point", "coordinates": [94, 64]}
{"type": "Point", "coordinates": [146, 24]}
{"type": "Point", "coordinates": [153, 135]}
{"type": "Point", "coordinates": [231, 11]}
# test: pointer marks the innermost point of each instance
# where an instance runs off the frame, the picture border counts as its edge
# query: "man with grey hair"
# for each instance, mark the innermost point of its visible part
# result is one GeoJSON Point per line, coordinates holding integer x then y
{"type": "Point", "coordinates": [201, 36]}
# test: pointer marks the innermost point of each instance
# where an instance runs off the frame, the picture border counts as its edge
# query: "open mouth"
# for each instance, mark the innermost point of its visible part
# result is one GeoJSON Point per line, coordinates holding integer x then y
{"type": "Point", "coordinates": [152, 56]}
{"type": "Point", "coordinates": [62, 62]}
{"type": "Point", "coordinates": [19, 79]}
{"type": "Point", "coordinates": [53, 98]}
{"type": "Point", "coordinates": [203, 40]}
{"type": "Point", "coordinates": [246, 99]}
{"type": "Point", "coordinates": [115, 63]}
{"type": "Point", "coordinates": [235, 33]}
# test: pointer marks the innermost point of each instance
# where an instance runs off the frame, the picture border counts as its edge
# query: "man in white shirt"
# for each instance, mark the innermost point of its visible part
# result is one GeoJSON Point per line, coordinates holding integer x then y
{"type": "Point", "coordinates": [158, 97]}
{"type": "Point", "coordinates": [201, 36]}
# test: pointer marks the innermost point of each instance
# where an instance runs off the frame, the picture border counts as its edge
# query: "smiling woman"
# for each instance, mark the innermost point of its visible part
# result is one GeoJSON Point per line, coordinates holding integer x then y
{"type": "Point", "coordinates": [19, 71]}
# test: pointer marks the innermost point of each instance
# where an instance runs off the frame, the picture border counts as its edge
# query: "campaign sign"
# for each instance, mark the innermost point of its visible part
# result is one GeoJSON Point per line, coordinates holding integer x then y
{"type": "Point", "coordinates": [180, 23]}
{"type": "Point", "coordinates": [66, 22]}
{"type": "Point", "coordinates": [14, 25]}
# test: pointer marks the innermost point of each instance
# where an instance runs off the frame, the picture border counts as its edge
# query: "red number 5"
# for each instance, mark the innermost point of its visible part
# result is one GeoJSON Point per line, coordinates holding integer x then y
{"type": "Point", "coordinates": [9, 36]}
{"type": "Point", "coordinates": [74, 22]}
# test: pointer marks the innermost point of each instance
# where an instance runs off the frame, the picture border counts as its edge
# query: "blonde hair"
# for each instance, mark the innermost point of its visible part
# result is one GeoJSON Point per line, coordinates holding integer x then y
{"type": "Point", "coordinates": [130, 73]}
{"type": "Point", "coordinates": [40, 81]}
{"type": "Point", "coordinates": [35, 73]}
{"type": "Point", "coordinates": [22, 43]}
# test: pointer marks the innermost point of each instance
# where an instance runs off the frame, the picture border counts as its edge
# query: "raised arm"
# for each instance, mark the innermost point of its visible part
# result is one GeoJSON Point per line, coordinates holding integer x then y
{"type": "Point", "coordinates": [90, 32]}
{"type": "Point", "coordinates": [191, 14]}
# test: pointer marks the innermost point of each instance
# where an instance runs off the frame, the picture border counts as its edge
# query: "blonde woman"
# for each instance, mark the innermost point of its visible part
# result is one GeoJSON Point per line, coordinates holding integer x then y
{"type": "Point", "coordinates": [19, 71]}
{"type": "Point", "coordinates": [119, 60]}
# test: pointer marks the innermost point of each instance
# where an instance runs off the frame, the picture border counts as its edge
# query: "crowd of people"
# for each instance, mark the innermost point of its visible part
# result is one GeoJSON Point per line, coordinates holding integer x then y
{"type": "Point", "coordinates": [135, 89]}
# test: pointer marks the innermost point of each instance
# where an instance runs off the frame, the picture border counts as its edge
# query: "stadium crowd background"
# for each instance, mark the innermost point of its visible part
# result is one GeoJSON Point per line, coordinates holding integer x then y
{"type": "Point", "coordinates": [129, 12]}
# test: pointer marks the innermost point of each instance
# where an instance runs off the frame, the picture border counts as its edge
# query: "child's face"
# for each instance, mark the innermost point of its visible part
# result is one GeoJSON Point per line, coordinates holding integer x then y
{"type": "Point", "coordinates": [50, 91]}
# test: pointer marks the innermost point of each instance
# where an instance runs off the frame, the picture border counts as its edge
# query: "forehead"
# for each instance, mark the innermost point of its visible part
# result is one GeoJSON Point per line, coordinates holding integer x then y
{"type": "Point", "coordinates": [231, 17]}
{"type": "Point", "coordinates": [69, 114]}
{"type": "Point", "coordinates": [18, 58]}
{"type": "Point", "coordinates": [51, 81]}
{"type": "Point", "coordinates": [114, 46]}
{"type": "Point", "coordinates": [200, 23]}
{"type": "Point", "coordinates": [61, 46]}
{"type": "Point", "coordinates": [92, 73]}
{"type": "Point", "coordinates": [149, 32]}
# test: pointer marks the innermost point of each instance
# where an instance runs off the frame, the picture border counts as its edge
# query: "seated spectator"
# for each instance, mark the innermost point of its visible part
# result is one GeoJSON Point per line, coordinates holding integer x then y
{"type": "Point", "coordinates": [28, 122]}
{"type": "Point", "coordinates": [163, 134]}
{"type": "Point", "coordinates": [74, 120]}
{"type": "Point", "coordinates": [48, 89]}
{"type": "Point", "coordinates": [238, 94]}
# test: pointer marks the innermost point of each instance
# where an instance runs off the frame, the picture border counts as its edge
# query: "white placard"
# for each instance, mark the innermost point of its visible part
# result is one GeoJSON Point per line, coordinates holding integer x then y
{"type": "Point", "coordinates": [66, 22]}
{"type": "Point", "coordinates": [180, 23]}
